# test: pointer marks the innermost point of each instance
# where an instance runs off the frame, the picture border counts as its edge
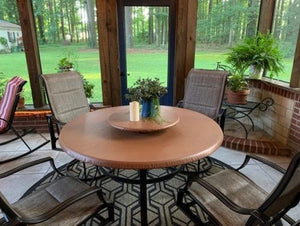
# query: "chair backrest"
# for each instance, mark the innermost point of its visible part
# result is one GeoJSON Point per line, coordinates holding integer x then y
{"type": "Point", "coordinates": [9, 102]}
{"type": "Point", "coordinates": [285, 196]}
{"type": "Point", "coordinates": [204, 91]}
{"type": "Point", "coordinates": [66, 95]}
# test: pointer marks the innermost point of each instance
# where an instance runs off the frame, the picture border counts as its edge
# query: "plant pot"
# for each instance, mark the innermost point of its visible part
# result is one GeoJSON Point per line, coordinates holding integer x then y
{"type": "Point", "coordinates": [21, 103]}
{"type": "Point", "coordinates": [148, 109]}
{"type": "Point", "coordinates": [255, 73]}
{"type": "Point", "coordinates": [239, 97]}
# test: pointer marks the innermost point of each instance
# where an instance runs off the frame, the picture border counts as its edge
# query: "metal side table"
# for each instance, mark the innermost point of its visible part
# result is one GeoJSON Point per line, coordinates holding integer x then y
{"type": "Point", "coordinates": [239, 111]}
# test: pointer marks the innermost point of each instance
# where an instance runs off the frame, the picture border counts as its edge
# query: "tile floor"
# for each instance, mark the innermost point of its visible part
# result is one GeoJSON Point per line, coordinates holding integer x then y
{"type": "Point", "coordinates": [14, 186]}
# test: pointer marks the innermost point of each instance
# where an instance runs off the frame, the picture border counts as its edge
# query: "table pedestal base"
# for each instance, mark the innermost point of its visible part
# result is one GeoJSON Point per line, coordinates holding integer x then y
{"type": "Point", "coordinates": [142, 181]}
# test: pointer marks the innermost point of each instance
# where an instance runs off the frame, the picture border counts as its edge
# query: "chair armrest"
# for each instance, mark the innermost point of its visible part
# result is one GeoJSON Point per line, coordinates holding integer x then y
{"type": "Point", "coordinates": [266, 162]}
{"type": "Point", "coordinates": [224, 199]}
{"type": "Point", "coordinates": [47, 215]}
{"type": "Point", "coordinates": [29, 164]}
{"type": "Point", "coordinates": [180, 104]}
{"type": "Point", "coordinates": [54, 120]}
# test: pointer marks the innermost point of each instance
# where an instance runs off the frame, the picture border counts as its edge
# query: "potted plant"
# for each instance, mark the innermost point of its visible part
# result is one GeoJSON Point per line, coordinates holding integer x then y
{"type": "Point", "coordinates": [147, 91]}
{"type": "Point", "coordinates": [237, 88]}
{"type": "Point", "coordinates": [65, 64]}
{"type": "Point", "coordinates": [258, 53]}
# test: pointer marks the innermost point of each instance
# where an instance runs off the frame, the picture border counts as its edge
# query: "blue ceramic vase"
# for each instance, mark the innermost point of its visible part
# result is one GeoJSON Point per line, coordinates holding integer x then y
{"type": "Point", "coordinates": [148, 109]}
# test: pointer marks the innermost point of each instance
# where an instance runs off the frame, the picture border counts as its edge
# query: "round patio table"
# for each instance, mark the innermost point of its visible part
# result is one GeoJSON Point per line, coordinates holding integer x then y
{"type": "Point", "coordinates": [91, 138]}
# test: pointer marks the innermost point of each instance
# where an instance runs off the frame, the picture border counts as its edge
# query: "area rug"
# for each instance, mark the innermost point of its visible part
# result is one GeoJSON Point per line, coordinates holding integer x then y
{"type": "Point", "coordinates": [162, 208]}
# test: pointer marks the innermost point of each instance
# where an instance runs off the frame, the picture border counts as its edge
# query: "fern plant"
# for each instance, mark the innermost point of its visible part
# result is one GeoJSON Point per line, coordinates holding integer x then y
{"type": "Point", "coordinates": [260, 51]}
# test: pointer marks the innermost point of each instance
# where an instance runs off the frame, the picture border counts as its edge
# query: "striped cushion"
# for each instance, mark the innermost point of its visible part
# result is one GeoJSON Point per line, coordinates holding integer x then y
{"type": "Point", "coordinates": [8, 99]}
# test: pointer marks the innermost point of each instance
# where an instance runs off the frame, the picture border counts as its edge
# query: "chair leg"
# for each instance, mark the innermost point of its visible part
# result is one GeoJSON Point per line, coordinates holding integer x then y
{"type": "Point", "coordinates": [180, 197]}
{"type": "Point", "coordinates": [51, 131]}
{"type": "Point", "coordinates": [222, 120]}
{"type": "Point", "coordinates": [29, 149]}
{"type": "Point", "coordinates": [25, 132]}
{"type": "Point", "coordinates": [111, 214]}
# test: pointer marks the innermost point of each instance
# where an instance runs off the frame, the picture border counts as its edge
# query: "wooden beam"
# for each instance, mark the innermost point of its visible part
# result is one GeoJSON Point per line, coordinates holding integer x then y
{"type": "Point", "coordinates": [31, 51]}
{"type": "Point", "coordinates": [109, 51]}
{"type": "Point", "coordinates": [295, 78]}
{"type": "Point", "coordinates": [266, 15]}
{"type": "Point", "coordinates": [186, 23]}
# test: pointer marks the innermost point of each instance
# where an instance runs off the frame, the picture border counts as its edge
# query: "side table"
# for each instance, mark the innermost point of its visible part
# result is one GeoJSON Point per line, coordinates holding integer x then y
{"type": "Point", "coordinates": [239, 111]}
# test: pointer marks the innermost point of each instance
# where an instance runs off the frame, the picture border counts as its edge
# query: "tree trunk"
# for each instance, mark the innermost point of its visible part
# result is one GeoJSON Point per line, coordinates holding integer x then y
{"type": "Point", "coordinates": [73, 20]}
{"type": "Point", "coordinates": [56, 20]}
{"type": "Point", "coordinates": [128, 26]}
{"type": "Point", "coordinates": [52, 21]}
{"type": "Point", "coordinates": [62, 22]}
{"type": "Point", "coordinates": [40, 19]}
{"type": "Point", "coordinates": [69, 21]}
{"type": "Point", "coordinates": [157, 33]}
{"type": "Point", "coordinates": [150, 26]}
{"type": "Point", "coordinates": [251, 22]}
{"type": "Point", "coordinates": [91, 23]}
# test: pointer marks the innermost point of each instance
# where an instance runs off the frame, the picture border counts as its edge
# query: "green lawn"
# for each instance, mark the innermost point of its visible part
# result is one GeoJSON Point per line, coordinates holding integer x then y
{"type": "Point", "coordinates": [141, 63]}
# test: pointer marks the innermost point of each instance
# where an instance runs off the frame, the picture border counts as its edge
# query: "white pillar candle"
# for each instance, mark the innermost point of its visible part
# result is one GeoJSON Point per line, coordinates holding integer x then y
{"type": "Point", "coordinates": [134, 111]}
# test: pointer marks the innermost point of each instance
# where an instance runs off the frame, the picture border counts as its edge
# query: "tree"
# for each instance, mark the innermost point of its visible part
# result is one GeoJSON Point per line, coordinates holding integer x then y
{"type": "Point", "coordinates": [150, 27]}
{"type": "Point", "coordinates": [39, 11]}
{"type": "Point", "coordinates": [90, 9]}
{"type": "Point", "coordinates": [128, 26]}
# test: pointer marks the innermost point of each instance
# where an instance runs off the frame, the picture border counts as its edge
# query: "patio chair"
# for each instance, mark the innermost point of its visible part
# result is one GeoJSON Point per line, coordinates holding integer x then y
{"type": "Point", "coordinates": [204, 92]}
{"type": "Point", "coordinates": [64, 201]}
{"type": "Point", "coordinates": [8, 106]}
{"type": "Point", "coordinates": [231, 198]}
{"type": "Point", "coordinates": [66, 99]}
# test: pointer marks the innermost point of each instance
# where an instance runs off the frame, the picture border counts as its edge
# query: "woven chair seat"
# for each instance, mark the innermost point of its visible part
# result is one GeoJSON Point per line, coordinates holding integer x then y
{"type": "Point", "coordinates": [236, 187]}
{"type": "Point", "coordinates": [47, 198]}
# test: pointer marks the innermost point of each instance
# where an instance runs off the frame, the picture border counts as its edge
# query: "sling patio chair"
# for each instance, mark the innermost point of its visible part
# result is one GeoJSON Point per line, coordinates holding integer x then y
{"type": "Point", "coordinates": [66, 99]}
{"type": "Point", "coordinates": [64, 201]}
{"type": "Point", "coordinates": [204, 92]}
{"type": "Point", "coordinates": [230, 198]}
{"type": "Point", "coordinates": [8, 106]}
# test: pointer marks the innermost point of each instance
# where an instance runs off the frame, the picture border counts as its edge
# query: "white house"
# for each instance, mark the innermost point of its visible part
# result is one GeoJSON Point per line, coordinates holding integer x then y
{"type": "Point", "coordinates": [12, 34]}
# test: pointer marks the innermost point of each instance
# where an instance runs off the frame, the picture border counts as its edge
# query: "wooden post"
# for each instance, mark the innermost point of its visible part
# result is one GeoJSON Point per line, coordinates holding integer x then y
{"type": "Point", "coordinates": [295, 79]}
{"type": "Point", "coordinates": [186, 23]}
{"type": "Point", "coordinates": [109, 51]}
{"type": "Point", "coordinates": [266, 15]}
{"type": "Point", "coordinates": [31, 51]}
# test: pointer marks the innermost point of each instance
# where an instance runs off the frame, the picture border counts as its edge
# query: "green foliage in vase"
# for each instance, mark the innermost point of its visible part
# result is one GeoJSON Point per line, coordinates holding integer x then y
{"type": "Point", "coordinates": [261, 51]}
{"type": "Point", "coordinates": [146, 89]}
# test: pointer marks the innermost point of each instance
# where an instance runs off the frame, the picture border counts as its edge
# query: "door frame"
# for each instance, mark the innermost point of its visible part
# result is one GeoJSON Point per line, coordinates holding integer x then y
{"type": "Point", "coordinates": [167, 99]}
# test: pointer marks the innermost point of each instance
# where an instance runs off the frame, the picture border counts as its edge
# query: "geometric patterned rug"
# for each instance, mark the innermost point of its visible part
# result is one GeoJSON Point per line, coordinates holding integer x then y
{"type": "Point", "coordinates": [162, 208]}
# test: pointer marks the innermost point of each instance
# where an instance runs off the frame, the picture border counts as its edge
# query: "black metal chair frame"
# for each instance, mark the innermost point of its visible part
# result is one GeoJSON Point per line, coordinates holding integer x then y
{"type": "Point", "coordinates": [254, 214]}
{"type": "Point", "coordinates": [18, 135]}
{"type": "Point", "coordinates": [11, 217]}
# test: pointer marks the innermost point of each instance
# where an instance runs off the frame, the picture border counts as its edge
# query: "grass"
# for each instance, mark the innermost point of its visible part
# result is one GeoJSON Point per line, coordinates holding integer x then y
{"type": "Point", "coordinates": [141, 63]}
